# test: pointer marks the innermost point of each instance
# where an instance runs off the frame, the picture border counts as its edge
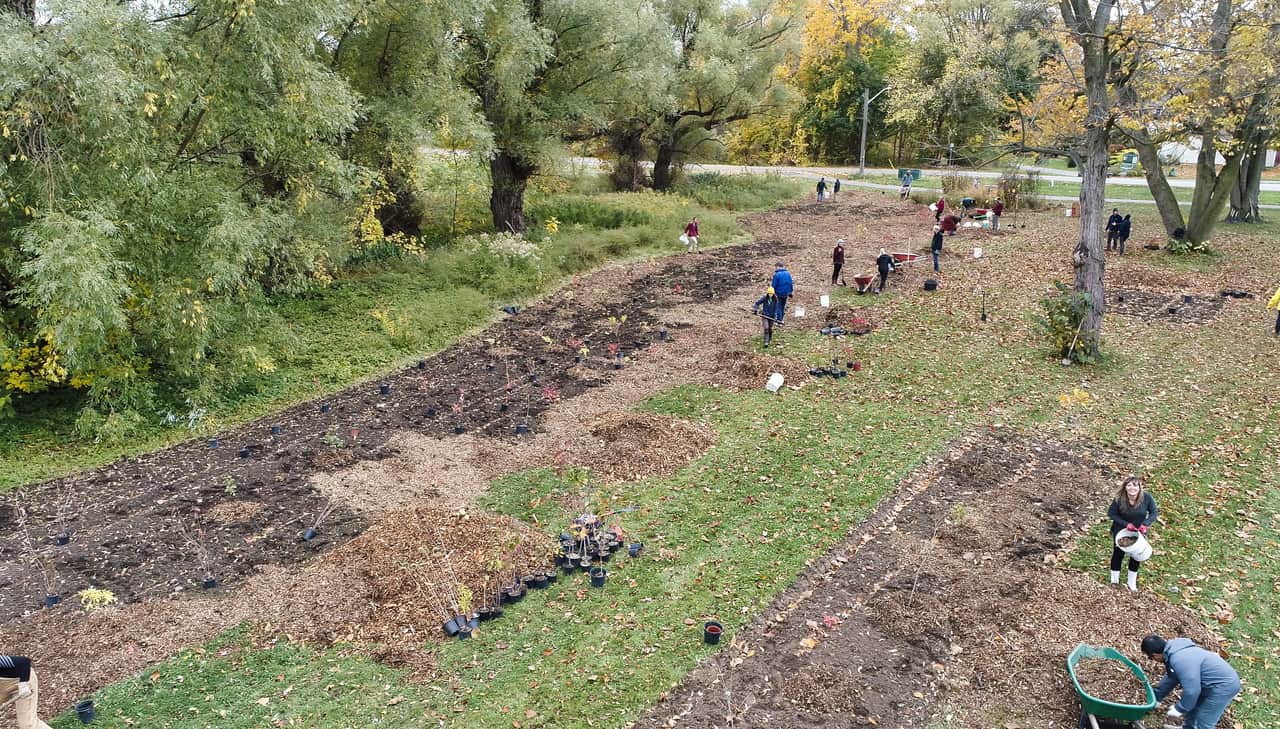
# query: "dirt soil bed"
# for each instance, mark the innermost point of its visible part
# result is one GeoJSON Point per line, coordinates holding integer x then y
{"type": "Point", "coordinates": [123, 518]}
{"type": "Point", "coordinates": [1158, 306]}
{"type": "Point", "coordinates": [946, 596]}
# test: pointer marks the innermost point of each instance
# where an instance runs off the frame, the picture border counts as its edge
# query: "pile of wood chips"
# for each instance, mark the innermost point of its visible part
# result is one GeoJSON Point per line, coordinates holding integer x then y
{"type": "Point", "coordinates": [633, 446]}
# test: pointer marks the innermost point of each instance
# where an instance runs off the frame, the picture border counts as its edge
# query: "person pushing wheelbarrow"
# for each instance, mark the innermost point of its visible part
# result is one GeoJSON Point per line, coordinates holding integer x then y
{"type": "Point", "coordinates": [769, 309]}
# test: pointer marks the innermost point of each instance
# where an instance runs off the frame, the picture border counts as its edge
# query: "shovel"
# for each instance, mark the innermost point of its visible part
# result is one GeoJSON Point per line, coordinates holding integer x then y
{"type": "Point", "coordinates": [762, 316]}
{"type": "Point", "coordinates": [1066, 361]}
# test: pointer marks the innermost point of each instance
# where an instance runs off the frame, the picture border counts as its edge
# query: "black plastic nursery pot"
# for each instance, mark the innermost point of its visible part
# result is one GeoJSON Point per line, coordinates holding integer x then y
{"type": "Point", "coordinates": [663, 335]}
{"type": "Point", "coordinates": [422, 364]}
{"type": "Point", "coordinates": [598, 576]}
{"type": "Point", "coordinates": [62, 539]}
{"type": "Point", "coordinates": [465, 633]}
{"type": "Point", "coordinates": [277, 429]}
{"type": "Point", "coordinates": [384, 389]}
{"type": "Point", "coordinates": [51, 600]}
{"type": "Point", "coordinates": [459, 429]}
{"type": "Point", "coordinates": [453, 625]}
{"type": "Point", "coordinates": [326, 408]}
{"type": "Point", "coordinates": [552, 576]}
{"type": "Point", "coordinates": [209, 583]}
{"type": "Point", "coordinates": [86, 712]}
{"type": "Point", "coordinates": [215, 443]}
{"type": "Point", "coordinates": [634, 548]}
{"type": "Point", "coordinates": [1187, 299]}
{"type": "Point", "coordinates": [711, 632]}
{"type": "Point", "coordinates": [245, 453]}
{"type": "Point", "coordinates": [522, 429]}
{"type": "Point", "coordinates": [309, 534]}
{"type": "Point", "coordinates": [540, 582]}
{"type": "Point", "coordinates": [431, 412]}
{"type": "Point", "coordinates": [503, 408]}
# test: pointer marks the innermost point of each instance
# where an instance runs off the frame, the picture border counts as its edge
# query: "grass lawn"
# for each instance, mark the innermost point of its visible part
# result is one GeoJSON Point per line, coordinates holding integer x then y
{"type": "Point", "coordinates": [1193, 407]}
{"type": "Point", "coordinates": [425, 304]}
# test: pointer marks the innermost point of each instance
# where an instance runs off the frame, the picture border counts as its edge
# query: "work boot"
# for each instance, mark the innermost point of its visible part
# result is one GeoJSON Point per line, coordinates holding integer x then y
{"type": "Point", "coordinates": [1133, 581]}
{"type": "Point", "coordinates": [1115, 578]}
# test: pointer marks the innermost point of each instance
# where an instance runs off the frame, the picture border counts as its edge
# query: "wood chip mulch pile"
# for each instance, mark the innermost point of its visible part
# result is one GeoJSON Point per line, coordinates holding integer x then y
{"type": "Point", "coordinates": [633, 446]}
{"type": "Point", "coordinates": [1110, 681]}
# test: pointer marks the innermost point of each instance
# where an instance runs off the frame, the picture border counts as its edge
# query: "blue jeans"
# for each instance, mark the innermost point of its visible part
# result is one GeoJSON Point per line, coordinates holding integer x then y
{"type": "Point", "coordinates": [935, 262]}
{"type": "Point", "coordinates": [782, 308]}
{"type": "Point", "coordinates": [1213, 704]}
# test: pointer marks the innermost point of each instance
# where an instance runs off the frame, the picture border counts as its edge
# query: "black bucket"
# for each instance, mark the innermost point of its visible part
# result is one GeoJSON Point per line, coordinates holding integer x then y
{"type": "Point", "coordinates": [711, 632]}
{"type": "Point", "coordinates": [86, 712]}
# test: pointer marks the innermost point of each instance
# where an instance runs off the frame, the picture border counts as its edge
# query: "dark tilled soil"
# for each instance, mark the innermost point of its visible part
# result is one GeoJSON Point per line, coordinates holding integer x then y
{"type": "Point", "coordinates": [944, 597]}
{"type": "Point", "coordinates": [124, 518]}
{"type": "Point", "coordinates": [1158, 306]}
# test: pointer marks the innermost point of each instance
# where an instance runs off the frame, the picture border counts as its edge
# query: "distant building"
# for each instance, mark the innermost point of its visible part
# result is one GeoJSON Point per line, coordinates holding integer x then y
{"type": "Point", "coordinates": [1187, 154]}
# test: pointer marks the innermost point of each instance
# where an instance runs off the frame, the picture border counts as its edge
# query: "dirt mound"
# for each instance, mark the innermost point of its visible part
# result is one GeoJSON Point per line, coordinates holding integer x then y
{"type": "Point", "coordinates": [234, 512]}
{"type": "Point", "coordinates": [749, 370]}
{"type": "Point", "coordinates": [416, 470]}
{"type": "Point", "coordinates": [635, 446]}
{"type": "Point", "coordinates": [823, 688]}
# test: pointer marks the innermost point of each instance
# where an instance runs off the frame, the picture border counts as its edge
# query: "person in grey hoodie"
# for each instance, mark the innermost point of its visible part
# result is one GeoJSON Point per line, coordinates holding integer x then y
{"type": "Point", "coordinates": [1208, 682]}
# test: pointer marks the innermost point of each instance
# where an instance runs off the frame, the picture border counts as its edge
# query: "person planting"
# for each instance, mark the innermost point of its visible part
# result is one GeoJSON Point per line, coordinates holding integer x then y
{"type": "Point", "coordinates": [939, 207]}
{"type": "Point", "coordinates": [769, 309]}
{"type": "Point", "coordinates": [837, 261]}
{"type": "Point", "coordinates": [783, 286]}
{"type": "Point", "coordinates": [996, 211]}
{"type": "Point", "coordinates": [949, 224]}
{"type": "Point", "coordinates": [935, 247]}
{"type": "Point", "coordinates": [1133, 509]}
{"type": "Point", "coordinates": [1208, 682]}
{"type": "Point", "coordinates": [884, 264]}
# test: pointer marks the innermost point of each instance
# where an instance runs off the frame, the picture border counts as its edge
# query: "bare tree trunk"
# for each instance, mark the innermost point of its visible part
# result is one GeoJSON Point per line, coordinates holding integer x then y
{"type": "Point", "coordinates": [510, 175]}
{"type": "Point", "coordinates": [24, 8]}
{"type": "Point", "coordinates": [1213, 190]}
{"type": "Point", "coordinates": [1244, 194]}
{"type": "Point", "coordinates": [627, 141]}
{"type": "Point", "coordinates": [1166, 201]}
{"type": "Point", "coordinates": [1088, 27]}
{"type": "Point", "coordinates": [662, 174]}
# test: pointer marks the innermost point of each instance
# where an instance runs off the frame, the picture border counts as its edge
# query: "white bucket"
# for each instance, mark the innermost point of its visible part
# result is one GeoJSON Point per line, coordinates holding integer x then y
{"type": "Point", "coordinates": [775, 382]}
{"type": "Point", "coordinates": [1140, 550]}
{"type": "Point", "coordinates": [799, 312]}
{"type": "Point", "coordinates": [977, 253]}
{"type": "Point", "coordinates": [824, 301]}
{"type": "Point", "coordinates": [1067, 212]}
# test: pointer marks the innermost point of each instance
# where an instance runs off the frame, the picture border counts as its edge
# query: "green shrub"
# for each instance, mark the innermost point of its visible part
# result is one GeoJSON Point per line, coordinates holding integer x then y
{"type": "Point", "coordinates": [738, 192]}
{"type": "Point", "coordinates": [1064, 312]}
{"type": "Point", "coordinates": [578, 210]}
{"type": "Point", "coordinates": [1182, 246]}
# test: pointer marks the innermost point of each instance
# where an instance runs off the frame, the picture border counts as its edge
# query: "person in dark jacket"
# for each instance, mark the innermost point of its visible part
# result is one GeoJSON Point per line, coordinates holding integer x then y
{"type": "Point", "coordinates": [837, 261]}
{"type": "Point", "coordinates": [782, 286]}
{"type": "Point", "coordinates": [1208, 682]}
{"type": "Point", "coordinates": [835, 189]}
{"type": "Point", "coordinates": [884, 264]}
{"type": "Point", "coordinates": [1135, 510]}
{"type": "Point", "coordinates": [1125, 227]}
{"type": "Point", "coordinates": [996, 211]}
{"type": "Point", "coordinates": [822, 188]}
{"type": "Point", "coordinates": [936, 247]}
{"type": "Point", "coordinates": [1113, 228]}
{"type": "Point", "coordinates": [769, 309]}
{"type": "Point", "coordinates": [939, 208]}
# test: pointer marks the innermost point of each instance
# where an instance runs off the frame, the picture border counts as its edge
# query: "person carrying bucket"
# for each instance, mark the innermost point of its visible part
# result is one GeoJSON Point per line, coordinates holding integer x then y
{"type": "Point", "coordinates": [769, 309]}
{"type": "Point", "coordinates": [691, 233]}
{"type": "Point", "coordinates": [1134, 510]}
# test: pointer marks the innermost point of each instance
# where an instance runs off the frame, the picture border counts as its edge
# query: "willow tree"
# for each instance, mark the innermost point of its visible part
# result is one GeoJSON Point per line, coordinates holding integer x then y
{"type": "Point", "coordinates": [725, 72]}
{"type": "Point", "coordinates": [159, 172]}
{"type": "Point", "coordinates": [541, 68]}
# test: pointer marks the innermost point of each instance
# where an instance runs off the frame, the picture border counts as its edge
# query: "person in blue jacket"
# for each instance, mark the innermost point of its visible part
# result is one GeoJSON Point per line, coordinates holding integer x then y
{"type": "Point", "coordinates": [782, 286]}
{"type": "Point", "coordinates": [769, 309]}
{"type": "Point", "coordinates": [1134, 509]}
{"type": "Point", "coordinates": [1208, 682]}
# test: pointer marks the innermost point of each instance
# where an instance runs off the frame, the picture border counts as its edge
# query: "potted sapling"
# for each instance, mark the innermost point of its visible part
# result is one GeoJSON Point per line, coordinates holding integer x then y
{"type": "Point", "coordinates": [49, 578]}
{"type": "Point", "coordinates": [469, 623]}
{"type": "Point", "coordinates": [64, 505]}
{"type": "Point", "coordinates": [310, 532]}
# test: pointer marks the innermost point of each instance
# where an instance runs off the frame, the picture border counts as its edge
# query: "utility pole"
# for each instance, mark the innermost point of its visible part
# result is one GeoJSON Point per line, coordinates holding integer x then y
{"type": "Point", "coordinates": [866, 109]}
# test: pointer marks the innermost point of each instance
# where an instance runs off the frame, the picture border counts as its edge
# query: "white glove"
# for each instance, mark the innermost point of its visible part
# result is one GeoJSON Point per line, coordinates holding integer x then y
{"type": "Point", "coordinates": [1173, 712]}
{"type": "Point", "coordinates": [24, 690]}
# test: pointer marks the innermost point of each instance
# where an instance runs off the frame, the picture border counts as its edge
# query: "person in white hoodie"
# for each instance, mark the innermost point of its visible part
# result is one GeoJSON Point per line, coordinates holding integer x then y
{"type": "Point", "coordinates": [1208, 682]}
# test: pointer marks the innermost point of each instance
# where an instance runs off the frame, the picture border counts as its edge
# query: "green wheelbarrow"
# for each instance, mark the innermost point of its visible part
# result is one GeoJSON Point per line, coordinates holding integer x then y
{"type": "Point", "coordinates": [1096, 713]}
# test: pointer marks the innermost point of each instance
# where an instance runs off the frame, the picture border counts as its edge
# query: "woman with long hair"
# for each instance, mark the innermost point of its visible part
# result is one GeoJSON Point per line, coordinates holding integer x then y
{"type": "Point", "coordinates": [1133, 509]}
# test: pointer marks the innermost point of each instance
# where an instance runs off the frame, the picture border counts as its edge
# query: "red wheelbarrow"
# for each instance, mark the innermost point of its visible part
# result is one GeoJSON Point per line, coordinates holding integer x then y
{"type": "Point", "coordinates": [864, 281]}
{"type": "Point", "coordinates": [901, 259]}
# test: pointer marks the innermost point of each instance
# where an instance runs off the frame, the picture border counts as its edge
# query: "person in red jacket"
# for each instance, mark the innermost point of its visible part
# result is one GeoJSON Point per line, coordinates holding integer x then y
{"type": "Point", "coordinates": [996, 211]}
{"type": "Point", "coordinates": [949, 224]}
{"type": "Point", "coordinates": [940, 206]}
{"type": "Point", "coordinates": [837, 262]}
{"type": "Point", "coordinates": [691, 231]}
